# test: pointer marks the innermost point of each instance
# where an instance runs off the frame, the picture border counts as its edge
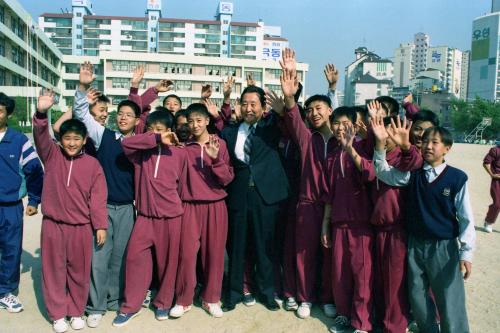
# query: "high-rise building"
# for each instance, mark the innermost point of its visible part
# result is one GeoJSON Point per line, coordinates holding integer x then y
{"type": "Point", "coordinates": [367, 77]}
{"type": "Point", "coordinates": [422, 43]}
{"type": "Point", "coordinates": [449, 62]}
{"type": "Point", "coordinates": [403, 65]}
{"type": "Point", "coordinates": [464, 86]}
{"type": "Point", "coordinates": [484, 64]}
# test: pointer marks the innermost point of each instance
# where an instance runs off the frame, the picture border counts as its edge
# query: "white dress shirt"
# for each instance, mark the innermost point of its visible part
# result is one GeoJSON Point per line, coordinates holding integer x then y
{"type": "Point", "coordinates": [239, 148]}
{"type": "Point", "coordinates": [394, 177]}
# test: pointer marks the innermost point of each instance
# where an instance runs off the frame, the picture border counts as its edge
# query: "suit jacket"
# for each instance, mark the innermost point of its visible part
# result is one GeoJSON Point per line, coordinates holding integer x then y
{"type": "Point", "coordinates": [267, 170]}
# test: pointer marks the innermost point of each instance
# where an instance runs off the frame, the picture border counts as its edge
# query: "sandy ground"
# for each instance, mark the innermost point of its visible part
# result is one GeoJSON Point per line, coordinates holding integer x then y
{"type": "Point", "coordinates": [483, 288]}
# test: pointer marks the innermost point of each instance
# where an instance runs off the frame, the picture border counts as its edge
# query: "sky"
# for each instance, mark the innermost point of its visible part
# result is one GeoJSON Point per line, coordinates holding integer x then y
{"type": "Point", "coordinates": [321, 31]}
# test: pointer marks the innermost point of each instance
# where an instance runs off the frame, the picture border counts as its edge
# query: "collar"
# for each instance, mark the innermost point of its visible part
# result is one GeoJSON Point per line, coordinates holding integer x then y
{"type": "Point", "coordinates": [437, 169]}
{"type": "Point", "coordinates": [245, 126]}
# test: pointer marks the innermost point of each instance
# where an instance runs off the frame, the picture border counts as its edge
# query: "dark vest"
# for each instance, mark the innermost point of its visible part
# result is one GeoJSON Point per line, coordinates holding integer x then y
{"type": "Point", "coordinates": [431, 206]}
{"type": "Point", "coordinates": [118, 170]}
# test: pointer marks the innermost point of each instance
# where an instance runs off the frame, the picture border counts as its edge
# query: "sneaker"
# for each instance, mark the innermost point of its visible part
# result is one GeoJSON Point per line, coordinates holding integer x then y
{"type": "Point", "coordinates": [248, 299]}
{"type": "Point", "coordinates": [179, 310]}
{"type": "Point", "coordinates": [214, 309]}
{"type": "Point", "coordinates": [412, 327]}
{"type": "Point", "coordinates": [359, 331]}
{"type": "Point", "coordinates": [77, 323]}
{"type": "Point", "coordinates": [304, 310]}
{"type": "Point", "coordinates": [93, 320]}
{"type": "Point", "coordinates": [278, 300]}
{"type": "Point", "coordinates": [11, 303]}
{"type": "Point", "coordinates": [147, 299]}
{"type": "Point", "coordinates": [488, 227]}
{"type": "Point", "coordinates": [60, 325]}
{"type": "Point", "coordinates": [161, 314]}
{"type": "Point", "coordinates": [123, 319]}
{"type": "Point", "coordinates": [340, 325]}
{"type": "Point", "coordinates": [330, 310]}
{"type": "Point", "coordinates": [291, 304]}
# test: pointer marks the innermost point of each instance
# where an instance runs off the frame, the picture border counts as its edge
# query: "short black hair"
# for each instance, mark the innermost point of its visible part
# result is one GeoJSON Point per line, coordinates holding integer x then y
{"type": "Point", "coordinates": [172, 96]}
{"type": "Point", "coordinates": [259, 91]}
{"type": "Point", "coordinates": [444, 134]}
{"type": "Point", "coordinates": [347, 111]}
{"type": "Point", "coordinates": [180, 113]}
{"type": "Point", "coordinates": [73, 125]}
{"type": "Point", "coordinates": [390, 105]}
{"type": "Point", "coordinates": [163, 117]}
{"type": "Point", "coordinates": [387, 120]}
{"type": "Point", "coordinates": [363, 111]}
{"type": "Point", "coordinates": [197, 108]}
{"type": "Point", "coordinates": [426, 115]}
{"type": "Point", "coordinates": [102, 99]}
{"type": "Point", "coordinates": [132, 105]}
{"type": "Point", "coordinates": [9, 103]}
{"type": "Point", "coordinates": [318, 98]}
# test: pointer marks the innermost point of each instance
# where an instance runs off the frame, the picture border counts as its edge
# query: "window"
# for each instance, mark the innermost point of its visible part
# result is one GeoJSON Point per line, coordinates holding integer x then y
{"type": "Point", "coordinates": [120, 65]}
{"type": "Point", "coordinates": [2, 47]}
{"type": "Point", "coordinates": [2, 15]}
{"type": "Point", "coordinates": [172, 68]}
{"type": "Point", "coordinates": [120, 83]}
{"type": "Point", "coordinates": [2, 77]}
{"type": "Point", "coordinates": [79, 36]}
{"type": "Point", "coordinates": [79, 26]}
{"type": "Point", "coordinates": [78, 14]}
{"type": "Point", "coordinates": [225, 22]}
{"type": "Point", "coordinates": [78, 47]}
{"type": "Point", "coordinates": [170, 26]}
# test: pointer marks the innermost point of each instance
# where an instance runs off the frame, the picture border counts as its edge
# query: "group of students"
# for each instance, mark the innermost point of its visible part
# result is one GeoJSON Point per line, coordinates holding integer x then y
{"type": "Point", "coordinates": [372, 224]}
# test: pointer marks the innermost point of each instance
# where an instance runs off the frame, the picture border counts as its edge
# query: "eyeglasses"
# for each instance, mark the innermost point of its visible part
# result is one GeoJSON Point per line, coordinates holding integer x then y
{"type": "Point", "coordinates": [125, 115]}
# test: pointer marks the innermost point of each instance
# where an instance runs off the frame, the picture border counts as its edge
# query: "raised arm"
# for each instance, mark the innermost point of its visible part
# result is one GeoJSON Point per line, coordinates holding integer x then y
{"type": "Point", "coordinates": [43, 141]}
{"type": "Point", "coordinates": [410, 109]}
{"type": "Point", "coordinates": [65, 116]}
{"type": "Point", "coordinates": [332, 76]}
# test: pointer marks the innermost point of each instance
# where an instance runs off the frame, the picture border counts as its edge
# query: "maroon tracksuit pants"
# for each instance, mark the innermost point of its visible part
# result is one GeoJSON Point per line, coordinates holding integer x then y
{"type": "Point", "coordinates": [390, 287]}
{"type": "Point", "coordinates": [204, 229]}
{"type": "Point", "coordinates": [494, 208]}
{"type": "Point", "coordinates": [161, 235]}
{"type": "Point", "coordinates": [66, 258]}
{"type": "Point", "coordinates": [352, 273]}
{"type": "Point", "coordinates": [307, 251]}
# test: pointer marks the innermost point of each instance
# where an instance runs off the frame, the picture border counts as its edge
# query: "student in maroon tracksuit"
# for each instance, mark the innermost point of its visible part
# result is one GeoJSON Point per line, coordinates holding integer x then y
{"type": "Point", "coordinates": [314, 146]}
{"type": "Point", "coordinates": [73, 206]}
{"type": "Point", "coordinates": [491, 164]}
{"type": "Point", "coordinates": [161, 172]}
{"type": "Point", "coordinates": [346, 225]}
{"type": "Point", "coordinates": [204, 223]}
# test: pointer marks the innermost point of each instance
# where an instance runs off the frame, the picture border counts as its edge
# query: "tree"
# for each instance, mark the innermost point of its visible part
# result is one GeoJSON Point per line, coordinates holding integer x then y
{"type": "Point", "coordinates": [466, 116]}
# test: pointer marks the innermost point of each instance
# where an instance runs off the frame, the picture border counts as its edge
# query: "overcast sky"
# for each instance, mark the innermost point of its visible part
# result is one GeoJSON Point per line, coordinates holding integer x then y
{"type": "Point", "coordinates": [321, 31]}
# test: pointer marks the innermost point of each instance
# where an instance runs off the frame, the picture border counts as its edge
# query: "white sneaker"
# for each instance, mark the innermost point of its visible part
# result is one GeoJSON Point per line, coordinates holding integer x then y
{"type": "Point", "coordinates": [341, 325]}
{"type": "Point", "coordinates": [291, 304]}
{"type": "Point", "coordinates": [304, 310]}
{"type": "Point", "coordinates": [488, 227]}
{"type": "Point", "coordinates": [330, 310]}
{"type": "Point", "coordinates": [178, 310]}
{"type": "Point", "coordinates": [11, 303]}
{"type": "Point", "coordinates": [214, 309]}
{"type": "Point", "coordinates": [77, 323]}
{"type": "Point", "coordinates": [60, 325]}
{"type": "Point", "coordinates": [93, 320]}
{"type": "Point", "coordinates": [147, 299]}
{"type": "Point", "coordinates": [359, 331]}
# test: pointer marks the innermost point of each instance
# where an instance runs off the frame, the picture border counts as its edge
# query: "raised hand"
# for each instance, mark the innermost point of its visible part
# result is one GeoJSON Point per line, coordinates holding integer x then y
{"type": "Point", "coordinates": [212, 108]}
{"type": "Point", "coordinates": [375, 108]}
{"type": "Point", "coordinates": [250, 80]}
{"type": "Point", "coordinates": [92, 95]}
{"type": "Point", "coordinates": [86, 74]}
{"type": "Point", "coordinates": [45, 100]}
{"type": "Point", "coordinates": [399, 132]}
{"type": "Point", "coordinates": [236, 114]}
{"type": "Point", "coordinates": [228, 87]}
{"type": "Point", "coordinates": [212, 150]}
{"type": "Point", "coordinates": [408, 98]}
{"type": "Point", "coordinates": [379, 131]}
{"type": "Point", "coordinates": [206, 91]}
{"type": "Point", "coordinates": [169, 139]}
{"type": "Point", "coordinates": [164, 86]}
{"type": "Point", "coordinates": [289, 86]}
{"type": "Point", "coordinates": [288, 61]}
{"type": "Point", "coordinates": [137, 76]}
{"type": "Point", "coordinates": [332, 76]}
{"type": "Point", "coordinates": [275, 102]}
{"type": "Point", "coordinates": [347, 138]}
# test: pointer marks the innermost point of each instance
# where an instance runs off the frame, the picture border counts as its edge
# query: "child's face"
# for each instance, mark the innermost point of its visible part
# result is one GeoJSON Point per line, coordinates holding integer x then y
{"type": "Point", "coordinates": [339, 126]}
{"type": "Point", "coordinates": [433, 149]}
{"type": "Point", "coordinates": [158, 128]}
{"type": "Point", "coordinates": [126, 120]}
{"type": "Point", "coordinates": [172, 104]}
{"type": "Point", "coordinates": [100, 112]}
{"type": "Point", "coordinates": [198, 124]}
{"type": "Point", "coordinates": [72, 143]}
{"type": "Point", "coordinates": [3, 116]}
{"type": "Point", "coordinates": [318, 114]}
{"type": "Point", "coordinates": [417, 131]}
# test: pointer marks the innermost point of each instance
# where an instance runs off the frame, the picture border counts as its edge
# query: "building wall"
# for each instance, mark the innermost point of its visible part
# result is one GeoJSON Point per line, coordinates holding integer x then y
{"type": "Point", "coordinates": [422, 43]}
{"type": "Point", "coordinates": [449, 62]}
{"type": "Point", "coordinates": [403, 65]}
{"type": "Point", "coordinates": [465, 74]}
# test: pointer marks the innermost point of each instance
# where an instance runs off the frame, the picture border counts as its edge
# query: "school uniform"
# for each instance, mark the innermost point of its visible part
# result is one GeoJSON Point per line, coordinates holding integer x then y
{"type": "Point", "coordinates": [73, 206]}
{"type": "Point", "coordinates": [493, 159]}
{"type": "Point", "coordinates": [352, 235]}
{"type": "Point", "coordinates": [314, 150]}
{"type": "Point", "coordinates": [160, 172]}
{"type": "Point", "coordinates": [22, 174]}
{"type": "Point", "coordinates": [204, 223]}
{"type": "Point", "coordinates": [106, 284]}
{"type": "Point", "coordinates": [438, 213]}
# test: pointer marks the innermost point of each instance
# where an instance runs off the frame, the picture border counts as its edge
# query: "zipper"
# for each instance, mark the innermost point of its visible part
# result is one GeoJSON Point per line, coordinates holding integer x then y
{"type": "Point", "coordinates": [69, 174]}
{"type": "Point", "coordinates": [342, 163]}
{"type": "Point", "coordinates": [378, 188]}
{"type": "Point", "coordinates": [157, 161]}
{"type": "Point", "coordinates": [286, 148]}
{"type": "Point", "coordinates": [202, 152]}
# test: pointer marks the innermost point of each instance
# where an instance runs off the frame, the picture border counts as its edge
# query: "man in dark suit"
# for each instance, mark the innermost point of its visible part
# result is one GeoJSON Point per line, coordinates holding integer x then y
{"type": "Point", "coordinates": [254, 196]}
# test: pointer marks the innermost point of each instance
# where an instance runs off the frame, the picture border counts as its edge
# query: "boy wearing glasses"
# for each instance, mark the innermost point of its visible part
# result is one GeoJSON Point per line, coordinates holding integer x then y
{"type": "Point", "coordinates": [106, 287]}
